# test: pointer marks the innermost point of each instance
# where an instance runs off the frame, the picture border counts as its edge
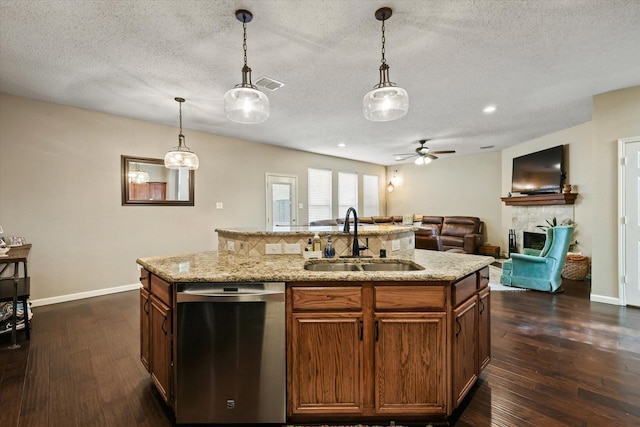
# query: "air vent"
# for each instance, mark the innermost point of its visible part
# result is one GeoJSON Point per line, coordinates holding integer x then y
{"type": "Point", "coordinates": [486, 147]}
{"type": "Point", "coordinates": [269, 83]}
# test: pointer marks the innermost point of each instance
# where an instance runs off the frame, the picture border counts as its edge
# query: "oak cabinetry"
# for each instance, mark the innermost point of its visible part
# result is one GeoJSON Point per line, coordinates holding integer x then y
{"type": "Point", "coordinates": [484, 328]}
{"type": "Point", "coordinates": [145, 333]}
{"type": "Point", "coordinates": [156, 336]}
{"type": "Point", "coordinates": [325, 373]}
{"type": "Point", "coordinates": [371, 350]}
{"type": "Point", "coordinates": [465, 348]}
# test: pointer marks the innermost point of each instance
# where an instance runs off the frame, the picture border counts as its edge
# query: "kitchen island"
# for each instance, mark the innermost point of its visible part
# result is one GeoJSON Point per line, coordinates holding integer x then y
{"type": "Point", "coordinates": [365, 345]}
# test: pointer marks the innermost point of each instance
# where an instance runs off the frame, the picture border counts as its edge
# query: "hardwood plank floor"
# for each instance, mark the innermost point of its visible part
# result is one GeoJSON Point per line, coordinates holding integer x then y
{"type": "Point", "coordinates": [557, 360]}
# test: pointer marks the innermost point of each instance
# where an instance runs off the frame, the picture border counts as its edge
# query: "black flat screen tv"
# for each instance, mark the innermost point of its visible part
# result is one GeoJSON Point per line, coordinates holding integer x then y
{"type": "Point", "coordinates": [541, 172]}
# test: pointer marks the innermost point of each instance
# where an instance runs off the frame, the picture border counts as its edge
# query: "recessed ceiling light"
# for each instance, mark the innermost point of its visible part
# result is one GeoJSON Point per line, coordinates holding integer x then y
{"type": "Point", "coordinates": [342, 145]}
{"type": "Point", "coordinates": [490, 109]}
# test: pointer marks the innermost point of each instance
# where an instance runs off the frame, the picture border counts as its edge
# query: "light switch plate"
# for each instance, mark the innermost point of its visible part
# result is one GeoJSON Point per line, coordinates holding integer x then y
{"type": "Point", "coordinates": [395, 245]}
{"type": "Point", "coordinates": [292, 248]}
{"type": "Point", "coordinates": [219, 205]}
{"type": "Point", "coordinates": [231, 246]}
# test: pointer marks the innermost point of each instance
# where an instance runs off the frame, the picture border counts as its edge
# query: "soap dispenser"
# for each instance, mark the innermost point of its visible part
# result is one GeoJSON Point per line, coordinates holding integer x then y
{"type": "Point", "coordinates": [329, 250]}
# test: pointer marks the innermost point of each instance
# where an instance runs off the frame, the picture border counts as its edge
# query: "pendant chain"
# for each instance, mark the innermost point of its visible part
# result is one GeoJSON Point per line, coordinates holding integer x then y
{"type": "Point", "coordinates": [244, 41]}
{"type": "Point", "coordinates": [384, 61]}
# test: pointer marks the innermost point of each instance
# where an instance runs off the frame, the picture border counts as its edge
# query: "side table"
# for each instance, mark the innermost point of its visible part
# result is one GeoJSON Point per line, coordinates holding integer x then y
{"type": "Point", "coordinates": [17, 255]}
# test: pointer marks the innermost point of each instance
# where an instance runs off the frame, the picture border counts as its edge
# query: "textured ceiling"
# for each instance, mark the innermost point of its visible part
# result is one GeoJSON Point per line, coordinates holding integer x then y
{"type": "Point", "coordinates": [539, 61]}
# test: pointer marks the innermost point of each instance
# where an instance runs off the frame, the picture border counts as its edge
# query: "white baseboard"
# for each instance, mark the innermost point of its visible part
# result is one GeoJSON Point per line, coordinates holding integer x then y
{"type": "Point", "coordinates": [606, 300]}
{"type": "Point", "coordinates": [83, 295]}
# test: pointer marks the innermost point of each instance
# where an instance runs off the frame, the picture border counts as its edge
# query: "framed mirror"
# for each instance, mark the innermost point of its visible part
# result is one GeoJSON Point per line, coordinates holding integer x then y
{"type": "Point", "coordinates": [145, 181]}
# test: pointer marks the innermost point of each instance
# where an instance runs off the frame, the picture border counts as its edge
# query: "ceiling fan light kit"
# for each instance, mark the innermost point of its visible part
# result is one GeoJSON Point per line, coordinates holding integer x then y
{"type": "Point", "coordinates": [386, 101]}
{"type": "Point", "coordinates": [181, 157]}
{"type": "Point", "coordinates": [245, 103]}
{"type": "Point", "coordinates": [423, 154]}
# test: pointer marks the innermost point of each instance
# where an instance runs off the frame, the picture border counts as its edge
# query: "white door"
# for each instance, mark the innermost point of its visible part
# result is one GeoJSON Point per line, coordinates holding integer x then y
{"type": "Point", "coordinates": [630, 227]}
{"type": "Point", "coordinates": [282, 193]}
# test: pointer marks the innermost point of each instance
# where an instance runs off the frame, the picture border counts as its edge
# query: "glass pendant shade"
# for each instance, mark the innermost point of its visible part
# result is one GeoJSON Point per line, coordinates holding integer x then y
{"type": "Point", "coordinates": [245, 104]}
{"type": "Point", "coordinates": [137, 175]}
{"type": "Point", "coordinates": [390, 187]}
{"type": "Point", "coordinates": [385, 103]}
{"type": "Point", "coordinates": [181, 158]}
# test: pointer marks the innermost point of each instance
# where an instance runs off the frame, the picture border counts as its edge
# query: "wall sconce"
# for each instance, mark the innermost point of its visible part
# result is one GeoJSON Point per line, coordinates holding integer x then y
{"type": "Point", "coordinates": [391, 186]}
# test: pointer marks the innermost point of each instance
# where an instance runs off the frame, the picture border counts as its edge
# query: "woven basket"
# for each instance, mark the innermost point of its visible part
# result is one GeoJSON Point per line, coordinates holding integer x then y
{"type": "Point", "coordinates": [576, 267]}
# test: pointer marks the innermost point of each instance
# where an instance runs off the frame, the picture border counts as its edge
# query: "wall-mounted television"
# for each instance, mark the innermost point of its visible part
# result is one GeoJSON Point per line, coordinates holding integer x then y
{"type": "Point", "coordinates": [538, 173]}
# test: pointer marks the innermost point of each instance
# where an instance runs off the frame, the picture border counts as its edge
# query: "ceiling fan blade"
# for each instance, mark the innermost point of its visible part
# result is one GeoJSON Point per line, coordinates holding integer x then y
{"type": "Point", "coordinates": [443, 152]}
{"type": "Point", "coordinates": [404, 154]}
{"type": "Point", "coordinates": [404, 158]}
{"type": "Point", "coordinates": [431, 156]}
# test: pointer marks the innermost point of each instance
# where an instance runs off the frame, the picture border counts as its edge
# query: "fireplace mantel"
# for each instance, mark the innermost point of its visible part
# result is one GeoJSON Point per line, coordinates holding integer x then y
{"type": "Point", "coordinates": [541, 199]}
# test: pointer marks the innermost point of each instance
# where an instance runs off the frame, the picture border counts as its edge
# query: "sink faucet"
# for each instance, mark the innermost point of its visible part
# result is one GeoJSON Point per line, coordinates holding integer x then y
{"type": "Point", "coordinates": [355, 249]}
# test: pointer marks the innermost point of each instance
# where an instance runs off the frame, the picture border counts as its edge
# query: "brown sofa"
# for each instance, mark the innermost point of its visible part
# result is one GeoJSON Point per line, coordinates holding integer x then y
{"type": "Point", "coordinates": [462, 233]}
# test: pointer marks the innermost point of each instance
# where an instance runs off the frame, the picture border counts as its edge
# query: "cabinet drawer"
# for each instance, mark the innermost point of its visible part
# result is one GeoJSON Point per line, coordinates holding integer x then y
{"type": "Point", "coordinates": [409, 298]}
{"type": "Point", "coordinates": [144, 278]}
{"type": "Point", "coordinates": [161, 289]}
{"type": "Point", "coordinates": [483, 277]}
{"type": "Point", "coordinates": [463, 289]}
{"type": "Point", "coordinates": [327, 298]}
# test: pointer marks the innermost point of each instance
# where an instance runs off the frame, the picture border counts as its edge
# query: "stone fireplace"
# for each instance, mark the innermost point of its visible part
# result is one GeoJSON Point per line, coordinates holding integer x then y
{"type": "Point", "coordinates": [526, 218]}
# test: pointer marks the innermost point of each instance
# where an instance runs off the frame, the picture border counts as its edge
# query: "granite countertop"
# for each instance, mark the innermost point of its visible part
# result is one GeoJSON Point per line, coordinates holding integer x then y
{"type": "Point", "coordinates": [304, 230]}
{"type": "Point", "coordinates": [221, 267]}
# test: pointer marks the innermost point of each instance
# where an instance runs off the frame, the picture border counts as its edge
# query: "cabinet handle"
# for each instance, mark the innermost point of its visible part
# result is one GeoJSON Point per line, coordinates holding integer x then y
{"type": "Point", "coordinates": [377, 330]}
{"type": "Point", "coordinates": [361, 329]}
{"type": "Point", "coordinates": [481, 307]}
{"type": "Point", "coordinates": [163, 328]}
{"type": "Point", "coordinates": [459, 326]}
{"type": "Point", "coordinates": [141, 278]}
{"type": "Point", "coordinates": [145, 307]}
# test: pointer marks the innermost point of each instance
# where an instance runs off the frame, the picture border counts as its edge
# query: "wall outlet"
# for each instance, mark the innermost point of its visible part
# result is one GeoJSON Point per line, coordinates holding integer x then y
{"type": "Point", "coordinates": [292, 248]}
{"type": "Point", "coordinates": [231, 246]}
{"type": "Point", "coordinates": [395, 245]}
{"type": "Point", "coordinates": [219, 205]}
{"type": "Point", "coordinates": [273, 248]}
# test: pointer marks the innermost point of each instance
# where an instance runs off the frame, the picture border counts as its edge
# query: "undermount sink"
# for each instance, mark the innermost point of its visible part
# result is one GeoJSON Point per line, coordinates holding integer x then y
{"type": "Point", "coordinates": [390, 266]}
{"type": "Point", "coordinates": [363, 266]}
{"type": "Point", "coordinates": [333, 266]}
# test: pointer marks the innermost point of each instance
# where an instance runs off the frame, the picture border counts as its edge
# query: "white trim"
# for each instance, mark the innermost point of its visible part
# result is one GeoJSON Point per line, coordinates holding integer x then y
{"type": "Point", "coordinates": [606, 300]}
{"type": "Point", "coordinates": [622, 232]}
{"type": "Point", "coordinates": [83, 295]}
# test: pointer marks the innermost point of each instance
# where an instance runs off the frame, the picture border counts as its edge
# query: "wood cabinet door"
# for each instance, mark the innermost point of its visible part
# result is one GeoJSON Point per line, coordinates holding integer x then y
{"type": "Point", "coordinates": [326, 366]}
{"type": "Point", "coordinates": [160, 358]}
{"type": "Point", "coordinates": [484, 329]}
{"type": "Point", "coordinates": [144, 328]}
{"type": "Point", "coordinates": [465, 348]}
{"type": "Point", "coordinates": [410, 363]}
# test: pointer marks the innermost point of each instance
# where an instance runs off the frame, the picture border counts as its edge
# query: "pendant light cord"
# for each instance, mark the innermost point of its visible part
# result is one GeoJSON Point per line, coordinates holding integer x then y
{"type": "Point", "coordinates": [384, 61]}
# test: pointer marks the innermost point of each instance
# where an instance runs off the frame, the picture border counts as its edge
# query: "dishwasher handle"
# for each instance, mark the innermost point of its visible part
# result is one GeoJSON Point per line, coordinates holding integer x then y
{"type": "Point", "coordinates": [230, 297]}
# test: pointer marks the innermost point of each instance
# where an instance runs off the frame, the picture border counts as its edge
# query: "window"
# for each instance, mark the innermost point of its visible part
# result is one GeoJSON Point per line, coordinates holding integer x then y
{"type": "Point", "coordinates": [347, 191]}
{"type": "Point", "coordinates": [319, 192]}
{"type": "Point", "coordinates": [370, 195]}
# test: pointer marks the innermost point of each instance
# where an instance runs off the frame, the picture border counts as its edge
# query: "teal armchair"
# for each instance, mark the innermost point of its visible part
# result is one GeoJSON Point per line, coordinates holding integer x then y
{"type": "Point", "coordinates": [541, 272]}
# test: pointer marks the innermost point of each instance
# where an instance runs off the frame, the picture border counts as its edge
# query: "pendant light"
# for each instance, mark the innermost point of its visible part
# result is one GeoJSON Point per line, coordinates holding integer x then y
{"type": "Point", "coordinates": [390, 186]}
{"type": "Point", "coordinates": [137, 175]}
{"type": "Point", "coordinates": [245, 103]}
{"type": "Point", "coordinates": [181, 157]}
{"type": "Point", "coordinates": [386, 101]}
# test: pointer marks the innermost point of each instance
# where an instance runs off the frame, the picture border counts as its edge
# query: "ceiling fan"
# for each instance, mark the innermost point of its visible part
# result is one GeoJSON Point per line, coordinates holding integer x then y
{"type": "Point", "coordinates": [423, 154]}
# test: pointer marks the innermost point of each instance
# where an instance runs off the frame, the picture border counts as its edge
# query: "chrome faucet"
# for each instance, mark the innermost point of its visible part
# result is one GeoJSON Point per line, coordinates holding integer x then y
{"type": "Point", "coordinates": [355, 248]}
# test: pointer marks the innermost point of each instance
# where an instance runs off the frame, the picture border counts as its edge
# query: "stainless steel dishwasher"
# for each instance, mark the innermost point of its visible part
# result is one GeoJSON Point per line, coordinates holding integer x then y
{"type": "Point", "coordinates": [230, 361]}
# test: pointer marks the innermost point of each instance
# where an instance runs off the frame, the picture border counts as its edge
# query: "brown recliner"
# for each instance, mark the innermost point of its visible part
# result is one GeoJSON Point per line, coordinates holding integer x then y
{"type": "Point", "coordinates": [461, 232]}
{"type": "Point", "coordinates": [428, 234]}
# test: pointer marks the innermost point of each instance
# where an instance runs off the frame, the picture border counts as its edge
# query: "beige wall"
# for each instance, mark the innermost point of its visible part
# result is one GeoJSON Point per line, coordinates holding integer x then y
{"type": "Point", "coordinates": [468, 185]}
{"type": "Point", "coordinates": [577, 141]}
{"type": "Point", "coordinates": [616, 115]}
{"type": "Point", "coordinates": [593, 169]}
{"type": "Point", "coordinates": [60, 189]}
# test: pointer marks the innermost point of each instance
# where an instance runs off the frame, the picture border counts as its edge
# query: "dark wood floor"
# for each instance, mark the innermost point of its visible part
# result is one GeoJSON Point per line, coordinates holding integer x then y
{"type": "Point", "coordinates": [557, 360]}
